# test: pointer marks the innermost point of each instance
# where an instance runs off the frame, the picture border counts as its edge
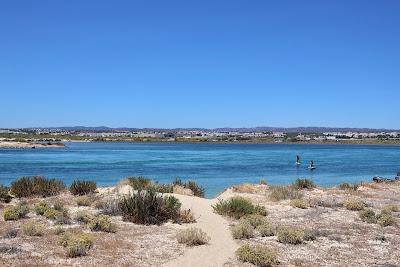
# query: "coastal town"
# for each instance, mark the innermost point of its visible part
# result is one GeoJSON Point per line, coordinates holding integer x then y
{"type": "Point", "coordinates": [223, 135]}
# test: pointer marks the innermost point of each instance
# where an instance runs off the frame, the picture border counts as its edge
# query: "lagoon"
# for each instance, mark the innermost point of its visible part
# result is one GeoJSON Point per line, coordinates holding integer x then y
{"type": "Point", "coordinates": [214, 166]}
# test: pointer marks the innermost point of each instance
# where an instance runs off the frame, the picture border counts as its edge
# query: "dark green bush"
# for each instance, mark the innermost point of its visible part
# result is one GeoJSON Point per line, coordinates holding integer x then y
{"type": "Point", "coordinates": [196, 189]}
{"type": "Point", "coordinates": [82, 187]}
{"type": "Point", "coordinates": [238, 207]}
{"type": "Point", "coordinates": [303, 184]}
{"type": "Point", "coordinates": [36, 186]}
{"type": "Point", "coordinates": [149, 207]}
{"type": "Point", "coordinates": [4, 194]}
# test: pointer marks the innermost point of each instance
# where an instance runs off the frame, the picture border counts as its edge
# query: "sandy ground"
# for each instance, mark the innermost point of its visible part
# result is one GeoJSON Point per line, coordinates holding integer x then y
{"type": "Point", "coordinates": [10, 144]}
{"type": "Point", "coordinates": [221, 246]}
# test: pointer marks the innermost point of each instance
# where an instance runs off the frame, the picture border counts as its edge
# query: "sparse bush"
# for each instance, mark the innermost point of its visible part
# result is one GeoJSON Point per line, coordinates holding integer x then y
{"type": "Point", "coordinates": [349, 187]}
{"type": "Point", "coordinates": [12, 233]}
{"type": "Point", "coordinates": [254, 220]}
{"type": "Point", "coordinates": [58, 230]}
{"type": "Point", "coordinates": [192, 185]}
{"type": "Point", "coordinates": [303, 184]}
{"type": "Point", "coordinates": [32, 229]}
{"type": "Point", "coordinates": [278, 193]}
{"type": "Point", "coordinates": [111, 207]}
{"type": "Point", "coordinates": [76, 245]}
{"type": "Point", "coordinates": [259, 255]}
{"type": "Point", "coordinates": [4, 194]}
{"type": "Point", "coordinates": [288, 235]}
{"type": "Point", "coordinates": [57, 213]}
{"type": "Point", "coordinates": [17, 212]}
{"type": "Point", "coordinates": [368, 216]}
{"type": "Point", "coordinates": [242, 230]}
{"type": "Point", "coordinates": [265, 229]}
{"type": "Point", "coordinates": [354, 204]}
{"type": "Point", "coordinates": [83, 216]}
{"type": "Point", "coordinates": [192, 237]}
{"type": "Point", "coordinates": [164, 188]}
{"type": "Point", "coordinates": [9, 249]}
{"type": "Point", "coordinates": [310, 235]}
{"type": "Point", "coordinates": [299, 203]}
{"type": "Point", "coordinates": [386, 219]}
{"type": "Point", "coordinates": [263, 181]}
{"type": "Point", "coordinates": [36, 186]}
{"type": "Point", "coordinates": [82, 187]}
{"type": "Point", "coordinates": [186, 216]}
{"type": "Point", "coordinates": [148, 207]}
{"type": "Point", "coordinates": [140, 183]}
{"type": "Point", "coordinates": [40, 208]}
{"type": "Point", "coordinates": [84, 200]}
{"type": "Point", "coordinates": [102, 223]}
{"type": "Point", "coordinates": [238, 207]}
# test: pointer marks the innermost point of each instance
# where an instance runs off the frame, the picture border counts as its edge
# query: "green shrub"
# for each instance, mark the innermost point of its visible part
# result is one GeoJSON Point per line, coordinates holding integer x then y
{"type": "Point", "coordinates": [259, 255]}
{"type": "Point", "coordinates": [237, 207]}
{"type": "Point", "coordinates": [17, 212]}
{"type": "Point", "coordinates": [386, 219]}
{"type": "Point", "coordinates": [368, 216]}
{"type": "Point", "coordinates": [303, 184]}
{"type": "Point", "coordinates": [84, 200]}
{"type": "Point", "coordinates": [4, 194]}
{"type": "Point", "coordinates": [32, 229]}
{"type": "Point", "coordinates": [278, 193]}
{"type": "Point", "coordinates": [140, 183]}
{"type": "Point", "coordinates": [41, 207]}
{"type": "Point", "coordinates": [263, 181]}
{"type": "Point", "coordinates": [192, 185]}
{"type": "Point", "coordinates": [288, 235]}
{"type": "Point", "coordinates": [76, 245]}
{"type": "Point", "coordinates": [242, 230]}
{"type": "Point", "coordinates": [349, 187]}
{"type": "Point", "coordinates": [148, 207]}
{"type": "Point", "coordinates": [192, 237]}
{"type": "Point", "coordinates": [265, 229]}
{"type": "Point", "coordinates": [82, 187]}
{"type": "Point", "coordinates": [354, 204]}
{"type": "Point", "coordinates": [102, 223]}
{"type": "Point", "coordinates": [83, 217]}
{"type": "Point", "coordinates": [36, 186]}
{"type": "Point", "coordinates": [59, 215]}
{"type": "Point", "coordinates": [299, 203]}
{"type": "Point", "coordinates": [254, 220]}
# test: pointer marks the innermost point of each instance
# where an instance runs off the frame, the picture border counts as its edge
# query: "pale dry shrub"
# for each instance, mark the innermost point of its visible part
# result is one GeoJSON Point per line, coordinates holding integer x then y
{"type": "Point", "coordinates": [180, 190]}
{"type": "Point", "coordinates": [299, 203]}
{"type": "Point", "coordinates": [368, 216]}
{"type": "Point", "coordinates": [386, 219]}
{"type": "Point", "coordinates": [245, 188]}
{"type": "Point", "coordinates": [254, 220]}
{"type": "Point", "coordinates": [259, 255]}
{"type": "Point", "coordinates": [33, 229]}
{"type": "Point", "coordinates": [265, 229]}
{"type": "Point", "coordinates": [186, 216]}
{"type": "Point", "coordinates": [76, 245]}
{"type": "Point", "coordinates": [192, 237]}
{"type": "Point", "coordinates": [278, 193]}
{"type": "Point", "coordinates": [242, 230]}
{"type": "Point", "coordinates": [102, 223]}
{"type": "Point", "coordinates": [354, 204]}
{"type": "Point", "coordinates": [288, 235]}
{"type": "Point", "coordinates": [391, 208]}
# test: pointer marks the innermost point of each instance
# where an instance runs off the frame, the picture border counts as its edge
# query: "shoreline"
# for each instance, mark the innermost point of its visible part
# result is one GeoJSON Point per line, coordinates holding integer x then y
{"type": "Point", "coordinates": [29, 145]}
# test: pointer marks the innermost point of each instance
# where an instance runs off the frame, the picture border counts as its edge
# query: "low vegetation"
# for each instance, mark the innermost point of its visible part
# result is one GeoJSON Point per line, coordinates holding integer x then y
{"type": "Point", "coordinates": [192, 237]}
{"type": "Point", "coordinates": [391, 208]}
{"type": "Point", "coordinates": [4, 194]}
{"type": "Point", "coordinates": [110, 207]}
{"type": "Point", "coordinates": [349, 187]}
{"type": "Point", "coordinates": [354, 204]}
{"type": "Point", "coordinates": [32, 228]}
{"type": "Point", "coordinates": [148, 207]}
{"type": "Point", "coordinates": [242, 230]}
{"type": "Point", "coordinates": [368, 216]}
{"type": "Point", "coordinates": [237, 207]}
{"type": "Point", "coordinates": [386, 219]}
{"type": "Point", "coordinates": [292, 236]}
{"type": "Point", "coordinates": [82, 187]}
{"type": "Point", "coordinates": [76, 245]}
{"type": "Point", "coordinates": [140, 183]}
{"type": "Point", "coordinates": [186, 216]}
{"type": "Point", "coordinates": [258, 255]}
{"type": "Point", "coordinates": [299, 203]}
{"type": "Point", "coordinates": [85, 200]}
{"type": "Point", "coordinates": [36, 186]}
{"type": "Point", "coordinates": [11, 233]}
{"type": "Point", "coordinates": [16, 212]}
{"type": "Point", "coordinates": [278, 193]}
{"type": "Point", "coordinates": [303, 184]}
{"type": "Point", "coordinates": [102, 223]}
{"type": "Point", "coordinates": [84, 217]}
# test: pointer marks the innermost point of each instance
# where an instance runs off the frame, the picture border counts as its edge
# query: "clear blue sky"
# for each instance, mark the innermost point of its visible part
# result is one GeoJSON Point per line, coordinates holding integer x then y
{"type": "Point", "coordinates": [200, 63]}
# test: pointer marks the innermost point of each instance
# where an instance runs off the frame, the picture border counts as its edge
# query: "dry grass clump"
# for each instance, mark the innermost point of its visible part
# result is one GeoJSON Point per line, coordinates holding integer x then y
{"type": "Point", "coordinates": [391, 208]}
{"type": "Point", "coordinates": [33, 229]}
{"type": "Point", "coordinates": [186, 216]}
{"type": "Point", "coordinates": [83, 217]}
{"type": "Point", "coordinates": [110, 207]}
{"type": "Point", "coordinates": [265, 229]}
{"type": "Point", "coordinates": [349, 187]}
{"type": "Point", "coordinates": [310, 234]}
{"type": "Point", "coordinates": [254, 220]}
{"type": "Point", "coordinates": [76, 245]}
{"type": "Point", "coordinates": [327, 202]}
{"type": "Point", "coordinates": [386, 219]}
{"type": "Point", "coordinates": [245, 188]}
{"type": "Point", "coordinates": [259, 255]}
{"type": "Point", "coordinates": [278, 193]}
{"type": "Point", "coordinates": [140, 183]}
{"type": "Point", "coordinates": [148, 207]}
{"type": "Point", "coordinates": [4, 194]}
{"type": "Point", "coordinates": [237, 207]}
{"type": "Point", "coordinates": [58, 230]}
{"type": "Point", "coordinates": [16, 212]}
{"type": "Point", "coordinates": [102, 223]}
{"type": "Point", "coordinates": [36, 186]}
{"type": "Point", "coordinates": [85, 200]}
{"type": "Point", "coordinates": [368, 216]}
{"type": "Point", "coordinates": [299, 203]}
{"type": "Point", "coordinates": [303, 184]}
{"type": "Point", "coordinates": [197, 190]}
{"type": "Point", "coordinates": [242, 230]}
{"type": "Point", "coordinates": [192, 237]}
{"type": "Point", "coordinates": [354, 204]}
{"type": "Point", "coordinates": [288, 235]}
{"type": "Point", "coordinates": [82, 187]}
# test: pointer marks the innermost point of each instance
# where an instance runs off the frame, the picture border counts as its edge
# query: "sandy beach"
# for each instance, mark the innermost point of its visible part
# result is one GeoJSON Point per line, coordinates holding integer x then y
{"type": "Point", "coordinates": [29, 145]}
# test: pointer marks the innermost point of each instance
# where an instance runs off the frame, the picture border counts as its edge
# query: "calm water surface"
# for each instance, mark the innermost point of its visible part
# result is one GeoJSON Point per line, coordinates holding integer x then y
{"type": "Point", "coordinates": [214, 166]}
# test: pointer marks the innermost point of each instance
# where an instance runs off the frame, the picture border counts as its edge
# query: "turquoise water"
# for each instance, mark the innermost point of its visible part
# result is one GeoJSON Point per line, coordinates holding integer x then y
{"type": "Point", "coordinates": [214, 166]}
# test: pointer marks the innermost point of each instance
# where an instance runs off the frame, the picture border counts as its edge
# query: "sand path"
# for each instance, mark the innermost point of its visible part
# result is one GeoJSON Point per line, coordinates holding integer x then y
{"type": "Point", "coordinates": [221, 246]}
